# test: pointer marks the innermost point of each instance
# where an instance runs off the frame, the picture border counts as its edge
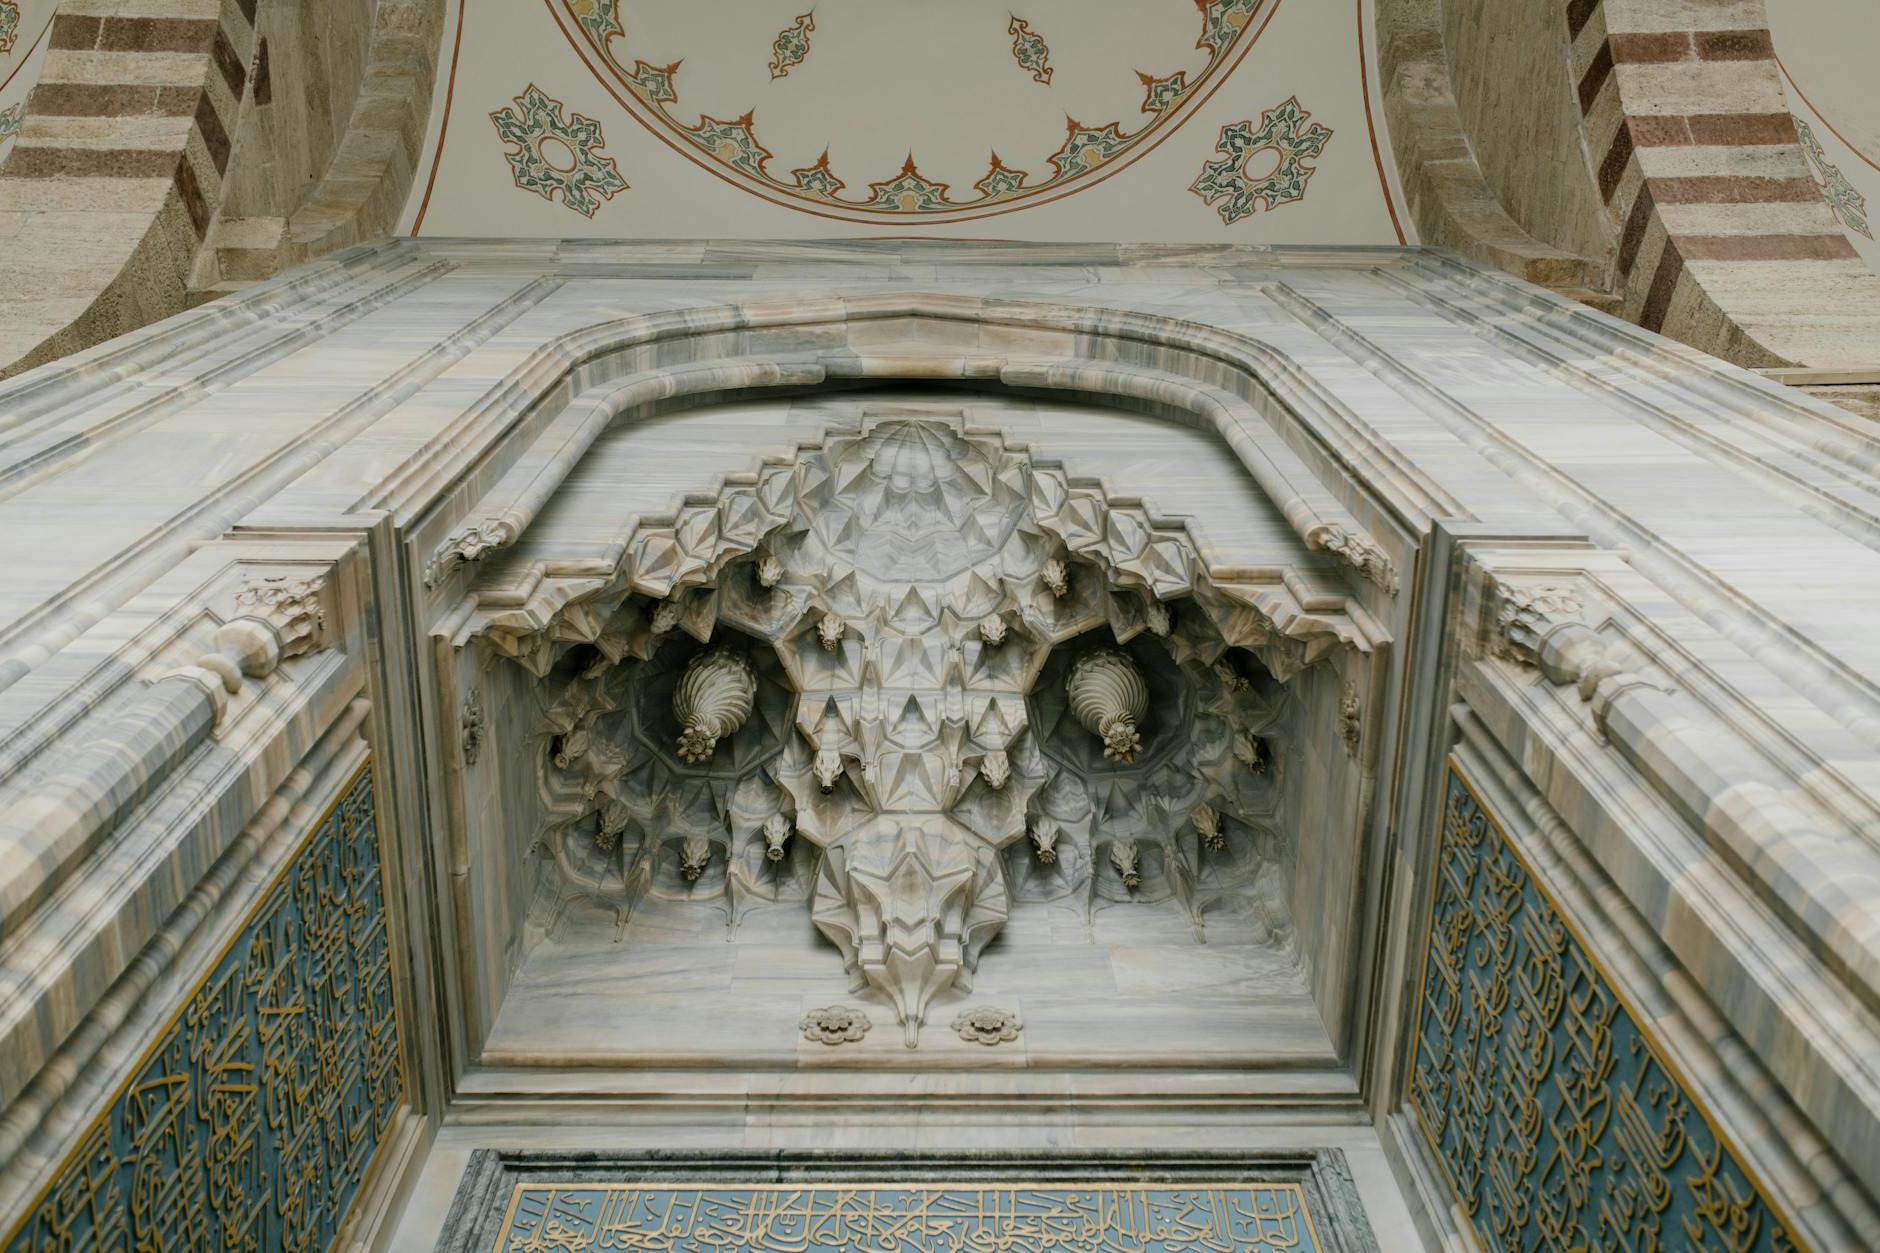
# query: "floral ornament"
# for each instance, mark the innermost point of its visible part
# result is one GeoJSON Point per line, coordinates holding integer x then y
{"type": "Point", "coordinates": [550, 154]}
{"type": "Point", "coordinates": [835, 1024]}
{"type": "Point", "coordinates": [1162, 93]}
{"type": "Point", "coordinates": [733, 147]}
{"type": "Point", "coordinates": [1030, 51]}
{"type": "Point", "coordinates": [1001, 180]}
{"type": "Point", "coordinates": [791, 45]}
{"type": "Point", "coordinates": [909, 191]}
{"type": "Point", "coordinates": [987, 1025]}
{"type": "Point", "coordinates": [11, 119]}
{"type": "Point", "coordinates": [1842, 197]}
{"type": "Point", "coordinates": [9, 29]}
{"type": "Point", "coordinates": [599, 18]}
{"type": "Point", "coordinates": [1284, 129]}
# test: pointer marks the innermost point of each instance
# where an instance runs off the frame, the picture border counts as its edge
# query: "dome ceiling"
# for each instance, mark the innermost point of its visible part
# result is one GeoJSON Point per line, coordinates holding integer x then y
{"type": "Point", "coordinates": [1178, 120]}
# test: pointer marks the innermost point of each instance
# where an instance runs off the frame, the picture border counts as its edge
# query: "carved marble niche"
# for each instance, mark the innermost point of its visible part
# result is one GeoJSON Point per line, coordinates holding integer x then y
{"type": "Point", "coordinates": [907, 681]}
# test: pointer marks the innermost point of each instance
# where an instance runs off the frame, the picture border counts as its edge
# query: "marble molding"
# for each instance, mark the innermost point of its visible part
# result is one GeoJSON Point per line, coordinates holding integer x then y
{"type": "Point", "coordinates": [1684, 738]}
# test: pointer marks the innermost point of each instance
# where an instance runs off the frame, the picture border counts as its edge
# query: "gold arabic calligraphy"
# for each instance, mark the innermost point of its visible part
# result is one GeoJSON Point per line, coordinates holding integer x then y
{"type": "Point", "coordinates": [908, 1218]}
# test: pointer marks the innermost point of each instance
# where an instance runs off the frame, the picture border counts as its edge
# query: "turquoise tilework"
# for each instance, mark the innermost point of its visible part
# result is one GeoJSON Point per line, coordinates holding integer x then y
{"type": "Point", "coordinates": [254, 1117]}
{"type": "Point", "coordinates": [1555, 1119]}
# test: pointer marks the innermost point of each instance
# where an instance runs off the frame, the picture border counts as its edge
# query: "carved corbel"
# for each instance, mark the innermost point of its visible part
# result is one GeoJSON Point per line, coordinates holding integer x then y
{"type": "Point", "coordinates": [277, 617]}
{"type": "Point", "coordinates": [1545, 627]}
{"type": "Point", "coordinates": [465, 545]}
{"type": "Point", "coordinates": [1525, 614]}
{"type": "Point", "coordinates": [1357, 551]}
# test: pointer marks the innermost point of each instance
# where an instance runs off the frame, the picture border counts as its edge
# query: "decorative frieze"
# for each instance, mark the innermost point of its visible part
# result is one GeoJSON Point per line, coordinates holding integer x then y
{"type": "Point", "coordinates": [1528, 1065]}
{"type": "Point", "coordinates": [254, 1116]}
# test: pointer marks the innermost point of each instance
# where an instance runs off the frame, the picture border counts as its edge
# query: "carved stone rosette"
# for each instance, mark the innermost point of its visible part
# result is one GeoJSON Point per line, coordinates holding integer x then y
{"type": "Point", "coordinates": [713, 698]}
{"type": "Point", "coordinates": [835, 1024]}
{"type": "Point", "coordinates": [988, 1025]}
{"type": "Point", "coordinates": [1109, 698]}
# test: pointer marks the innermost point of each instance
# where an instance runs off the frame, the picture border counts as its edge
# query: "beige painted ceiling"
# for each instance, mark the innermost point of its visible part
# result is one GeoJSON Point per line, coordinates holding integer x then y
{"type": "Point", "coordinates": [1825, 50]}
{"type": "Point", "coordinates": [1246, 121]}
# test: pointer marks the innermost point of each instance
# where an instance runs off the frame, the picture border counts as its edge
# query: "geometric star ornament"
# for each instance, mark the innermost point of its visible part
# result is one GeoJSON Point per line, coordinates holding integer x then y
{"type": "Point", "coordinates": [1285, 129]}
{"type": "Point", "coordinates": [550, 155]}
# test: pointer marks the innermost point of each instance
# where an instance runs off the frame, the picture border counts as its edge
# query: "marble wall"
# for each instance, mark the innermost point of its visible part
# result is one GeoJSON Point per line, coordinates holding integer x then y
{"type": "Point", "coordinates": [1627, 590]}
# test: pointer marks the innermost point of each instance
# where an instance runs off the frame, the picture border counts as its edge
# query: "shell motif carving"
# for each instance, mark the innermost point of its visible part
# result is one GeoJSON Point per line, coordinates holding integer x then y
{"type": "Point", "coordinates": [713, 698]}
{"type": "Point", "coordinates": [1109, 698]}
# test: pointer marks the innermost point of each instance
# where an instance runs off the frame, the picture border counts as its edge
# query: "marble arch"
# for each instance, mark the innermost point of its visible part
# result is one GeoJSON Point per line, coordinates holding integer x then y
{"type": "Point", "coordinates": [1314, 586]}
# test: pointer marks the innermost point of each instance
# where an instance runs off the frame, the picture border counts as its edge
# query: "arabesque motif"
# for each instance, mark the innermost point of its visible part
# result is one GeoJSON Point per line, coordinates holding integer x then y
{"type": "Point", "coordinates": [1285, 130]}
{"type": "Point", "coordinates": [551, 154]}
{"type": "Point", "coordinates": [1842, 196]}
{"type": "Point", "coordinates": [1554, 1117]}
{"type": "Point", "coordinates": [254, 1118]}
{"type": "Point", "coordinates": [732, 148]}
{"type": "Point", "coordinates": [791, 45]}
{"type": "Point", "coordinates": [1030, 51]}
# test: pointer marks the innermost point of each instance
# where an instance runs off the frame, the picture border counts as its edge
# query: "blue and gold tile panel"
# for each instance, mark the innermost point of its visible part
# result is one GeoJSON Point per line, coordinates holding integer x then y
{"type": "Point", "coordinates": [253, 1118]}
{"type": "Point", "coordinates": [1556, 1120]}
{"type": "Point", "coordinates": [909, 1218]}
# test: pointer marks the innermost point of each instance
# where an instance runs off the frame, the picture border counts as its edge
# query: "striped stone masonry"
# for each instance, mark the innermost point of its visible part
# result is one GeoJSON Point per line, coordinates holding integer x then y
{"type": "Point", "coordinates": [128, 130]}
{"type": "Point", "coordinates": [1724, 240]}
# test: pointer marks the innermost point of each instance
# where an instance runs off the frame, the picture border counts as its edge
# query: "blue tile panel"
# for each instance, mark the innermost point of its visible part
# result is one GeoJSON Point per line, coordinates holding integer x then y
{"type": "Point", "coordinates": [909, 1218]}
{"type": "Point", "coordinates": [1555, 1119]}
{"type": "Point", "coordinates": [252, 1120]}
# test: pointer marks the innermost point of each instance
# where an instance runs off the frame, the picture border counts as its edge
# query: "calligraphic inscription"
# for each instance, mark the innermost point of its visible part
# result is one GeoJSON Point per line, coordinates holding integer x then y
{"type": "Point", "coordinates": [253, 1119]}
{"type": "Point", "coordinates": [1555, 1118]}
{"type": "Point", "coordinates": [909, 1218]}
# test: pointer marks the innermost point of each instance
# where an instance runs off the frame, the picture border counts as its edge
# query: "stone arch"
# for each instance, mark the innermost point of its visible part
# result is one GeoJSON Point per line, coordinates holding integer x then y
{"type": "Point", "coordinates": [1325, 583]}
{"type": "Point", "coordinates": [593, 376]}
